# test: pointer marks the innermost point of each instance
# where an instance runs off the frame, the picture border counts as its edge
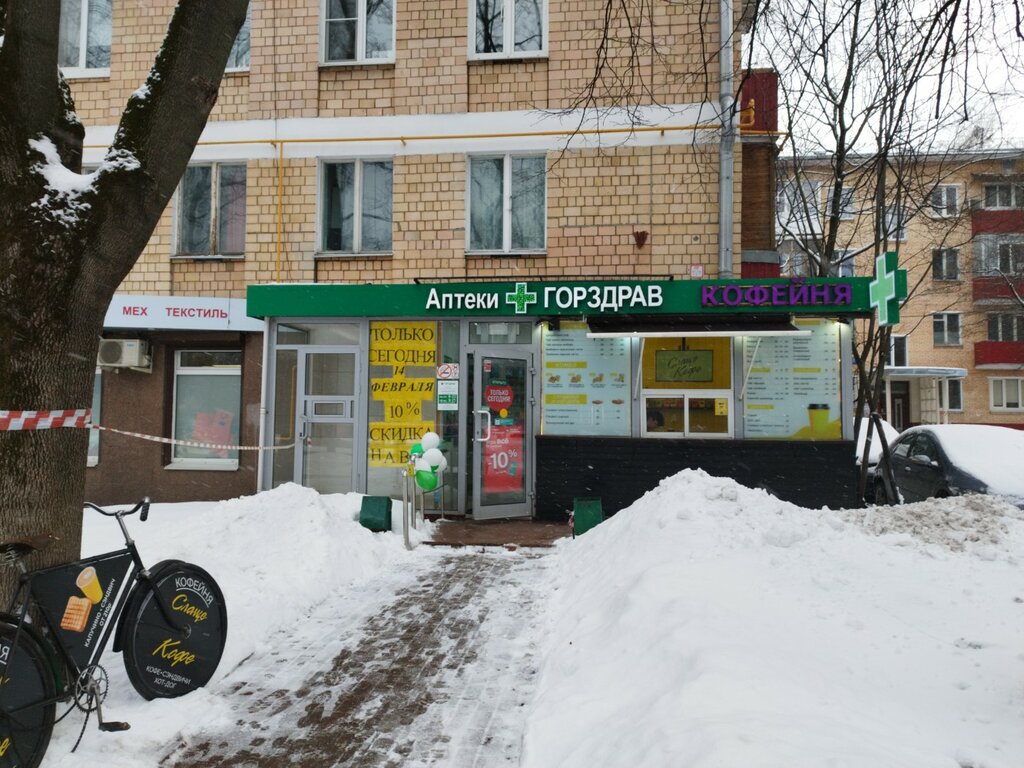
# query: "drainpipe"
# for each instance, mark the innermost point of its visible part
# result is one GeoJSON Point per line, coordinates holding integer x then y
{"type": "Point", "coordinates": [726, 103]}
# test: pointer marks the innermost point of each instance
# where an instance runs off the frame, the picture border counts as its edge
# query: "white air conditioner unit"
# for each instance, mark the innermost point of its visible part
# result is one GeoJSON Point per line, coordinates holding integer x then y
{"type": "Point", "coordinates": [123, 353]}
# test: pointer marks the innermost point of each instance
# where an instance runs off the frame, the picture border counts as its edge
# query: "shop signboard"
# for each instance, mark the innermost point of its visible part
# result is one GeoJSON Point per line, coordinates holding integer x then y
{"type": "Point", "coordinates": [804, 296]}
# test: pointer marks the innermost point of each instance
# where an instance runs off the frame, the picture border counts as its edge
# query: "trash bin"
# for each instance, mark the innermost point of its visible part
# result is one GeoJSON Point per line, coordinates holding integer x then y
{"type": "Point", "coordinates": [375, 513]}
{"type": "Point", "coordinates": [586, 513]}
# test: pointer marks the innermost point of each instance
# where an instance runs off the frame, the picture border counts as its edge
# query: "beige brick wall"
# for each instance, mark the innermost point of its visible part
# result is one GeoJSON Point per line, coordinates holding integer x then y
{"type": "Point", "coordinates": [595, 200]}
{"type": "Point", "coordinates": [925, 232]}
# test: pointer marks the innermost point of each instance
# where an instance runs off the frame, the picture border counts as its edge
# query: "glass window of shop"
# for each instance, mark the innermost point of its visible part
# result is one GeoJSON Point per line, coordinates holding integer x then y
{"type": "Point", "coordinates": [792, 387]}
{"type": "Point", "coordinates": [586, 383]}
{"type": "Point", "coordinates": [404, 403]}
{"type": "Point", "coordinates": [687, 387]}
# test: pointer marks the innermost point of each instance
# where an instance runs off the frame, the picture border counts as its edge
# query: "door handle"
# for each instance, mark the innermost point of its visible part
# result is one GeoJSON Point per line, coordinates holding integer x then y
{"type": "Point", "coordinates": [486, 412]}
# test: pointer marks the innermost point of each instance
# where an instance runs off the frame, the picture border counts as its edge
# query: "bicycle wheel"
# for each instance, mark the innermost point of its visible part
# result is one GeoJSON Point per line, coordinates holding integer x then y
{"type": "Point", "coordinates": [27, 704]}
{"type": "Point", "coordinates": [163, 662]}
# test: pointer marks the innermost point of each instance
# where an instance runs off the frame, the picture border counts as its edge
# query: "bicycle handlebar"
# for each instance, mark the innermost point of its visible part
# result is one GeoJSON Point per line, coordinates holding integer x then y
{"type": "Point", "coordinates": [142, 505]}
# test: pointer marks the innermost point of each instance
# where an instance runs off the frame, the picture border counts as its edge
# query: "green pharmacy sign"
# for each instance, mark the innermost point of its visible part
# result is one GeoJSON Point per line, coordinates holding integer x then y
{"type": "Point", "coordinates": [888, 289]}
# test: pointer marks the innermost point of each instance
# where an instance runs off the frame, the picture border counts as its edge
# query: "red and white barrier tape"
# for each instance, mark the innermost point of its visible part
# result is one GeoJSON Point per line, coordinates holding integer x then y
{"type": "Point", "coordinates": [80, 418]}
{"type": "Point", "coordinates": [19, 420]}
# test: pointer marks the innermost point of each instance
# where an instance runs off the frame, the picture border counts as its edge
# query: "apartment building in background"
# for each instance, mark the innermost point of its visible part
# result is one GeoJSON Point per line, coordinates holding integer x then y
{"type": "Point", "coordinates": [957, 354]}
{"type": "Point", "coordinates": [401, 218]}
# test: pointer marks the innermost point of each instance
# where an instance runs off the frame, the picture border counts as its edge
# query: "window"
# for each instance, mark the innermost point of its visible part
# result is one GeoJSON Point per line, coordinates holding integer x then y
{"type": "Point", "coordinates": [895, 224]}
{"type": "Point", "coordinates": [1004, 195]}
{"type": "Point", "coordinates": [898, 351]}
{"type": "Point", "coordinates": [1006, 394]}
{"type": "Point", "coordinates": [211, 211]}
{"type": "Point", "coordinates": [956, 395]}
{"type": "Point", "coordinates": [844, 264]}
{"type": "Point", "coordinates": [1002, 257]}
{"type": "Point", "coordinates": [945, 264]}
{"type": "Point", "coordinates": [1005, 326]}
{"type": "Point", "coordinates": [85, 33]}
{"type": "Point", "coordinates": [94, 434]}
{"type": "Point", "coordinates": [846, 210]}
{"type": "Point", "coordinates": [523, 35]}
{"type": "Point", "coordinates": [207, 404]}
{"type": "Point", "coordinates": [945, 201]}
{"type": "Point", "coordinates": [797, 206]}
{"type": "Point", "coordinates": [357, 206]}
{"type": "Point", "coordinates": [239, 57]}
{"type": "Point", "coordinates": [358, 31]}
{"type": "Point", "coordinates": [946, 329]}
{"type": "Point", "coordinates": [507, 204]}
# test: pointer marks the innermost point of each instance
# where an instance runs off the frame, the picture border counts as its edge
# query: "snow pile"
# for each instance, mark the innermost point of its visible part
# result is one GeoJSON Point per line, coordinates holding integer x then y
{"type": "Point", "coordinates": [275, 555]}
{"type": "Point", "coordinates": [710, 625]}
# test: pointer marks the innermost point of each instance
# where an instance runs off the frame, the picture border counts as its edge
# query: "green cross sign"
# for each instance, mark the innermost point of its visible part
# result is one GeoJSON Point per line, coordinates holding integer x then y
{"type": "Point", "coordinates": [888, 289]}
{"type": "Point", "coordinates": [521, 298]}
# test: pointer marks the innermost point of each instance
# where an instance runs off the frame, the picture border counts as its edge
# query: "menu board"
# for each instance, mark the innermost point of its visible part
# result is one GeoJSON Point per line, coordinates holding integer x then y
{"type": "Point", "coordinates": [586, 383]}
{"type": "Point", "coordinates": [792, 390]}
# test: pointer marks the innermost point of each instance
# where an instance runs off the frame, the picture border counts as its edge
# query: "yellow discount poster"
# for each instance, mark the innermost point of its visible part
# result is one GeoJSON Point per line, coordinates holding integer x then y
{"type": "Point", "coordinates": [402, 357]}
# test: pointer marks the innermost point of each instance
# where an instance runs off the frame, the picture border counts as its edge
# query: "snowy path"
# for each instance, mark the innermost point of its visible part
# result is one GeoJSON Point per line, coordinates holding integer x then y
{"type": "Point", "coordinates": [438, 676]}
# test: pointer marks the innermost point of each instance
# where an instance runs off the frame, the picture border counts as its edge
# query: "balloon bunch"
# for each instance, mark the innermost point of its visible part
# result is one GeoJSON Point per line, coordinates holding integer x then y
{"type": "Point", "coordinates": [427, 461]}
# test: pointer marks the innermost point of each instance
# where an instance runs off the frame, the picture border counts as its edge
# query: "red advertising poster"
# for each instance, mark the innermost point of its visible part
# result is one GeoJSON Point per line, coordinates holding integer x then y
{"type": "Point", "coordinates": [503, 460]}
{"type": "Point", "coordinates": [498, 396]}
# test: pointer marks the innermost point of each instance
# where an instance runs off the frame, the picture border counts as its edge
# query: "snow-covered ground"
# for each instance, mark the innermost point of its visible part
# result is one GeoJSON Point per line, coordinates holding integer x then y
{"type": "Point", "coordinates": [706, 626]}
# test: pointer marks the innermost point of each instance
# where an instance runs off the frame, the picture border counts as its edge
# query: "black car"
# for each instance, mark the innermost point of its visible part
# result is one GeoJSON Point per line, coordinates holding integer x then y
{"type": "Point", "coordinates": [954, 459]}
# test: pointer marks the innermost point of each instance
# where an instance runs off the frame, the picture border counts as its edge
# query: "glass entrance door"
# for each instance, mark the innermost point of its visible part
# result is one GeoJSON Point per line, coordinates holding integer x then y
{"type": "Point", "coordinates": [502, 434]}
{"type": "Point", "coordinates": [326, 413]}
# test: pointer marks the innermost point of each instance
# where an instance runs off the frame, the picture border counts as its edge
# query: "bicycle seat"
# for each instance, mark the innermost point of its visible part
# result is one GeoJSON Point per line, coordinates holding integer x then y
{"type": "Point", "coordinates": [13, 550]}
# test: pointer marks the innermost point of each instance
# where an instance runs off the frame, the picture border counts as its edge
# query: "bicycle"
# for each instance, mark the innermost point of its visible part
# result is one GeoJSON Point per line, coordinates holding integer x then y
{"type": "Point", "coordinates": [169, 622]}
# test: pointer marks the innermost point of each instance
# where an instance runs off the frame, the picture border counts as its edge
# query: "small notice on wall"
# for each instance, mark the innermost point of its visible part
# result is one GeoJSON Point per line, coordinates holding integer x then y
{"type": "Point", "coordinates": [586, 383]}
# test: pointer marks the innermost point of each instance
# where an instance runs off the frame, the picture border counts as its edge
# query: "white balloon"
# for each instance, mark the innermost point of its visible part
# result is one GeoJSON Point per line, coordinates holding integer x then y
{"type": "Point", "coordinates": [430, 440]}
{"type": "Point", "coordinates": [422, 465]}
{"type": "Point", "coordinates": [444, 464]}
{"type": "Point", "coordinates": [433, 457]}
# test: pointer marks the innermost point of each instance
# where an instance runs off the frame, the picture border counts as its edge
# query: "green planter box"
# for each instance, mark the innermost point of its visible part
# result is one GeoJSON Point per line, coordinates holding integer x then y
{"type": "Point", "coordinates": [586, 513]}
{"type": "Point", "coordinates": [375, 513]}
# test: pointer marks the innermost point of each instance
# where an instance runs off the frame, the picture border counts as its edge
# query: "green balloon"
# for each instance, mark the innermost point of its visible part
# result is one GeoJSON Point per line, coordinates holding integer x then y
{"type": "Point", "coordinates": [416, 450]}
{"type": "Point", "coordinates": [426, 480]}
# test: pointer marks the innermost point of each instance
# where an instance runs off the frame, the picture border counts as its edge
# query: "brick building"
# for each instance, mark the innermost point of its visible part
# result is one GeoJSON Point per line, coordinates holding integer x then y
{"type": "Point", "coordinates": [958, 352]}
{"type": "Point", "coordinates": [395, 191]}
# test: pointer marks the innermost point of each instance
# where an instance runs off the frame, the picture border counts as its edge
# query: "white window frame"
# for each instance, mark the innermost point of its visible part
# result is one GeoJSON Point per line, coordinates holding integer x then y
{"type": "Point", "coordinates": [246, 27]}
{"type": "Point", "coordinates": [847, 211]}
{"type": "Point", "coordinates": [895, 225]}
{"type": "Point", "coordinates": [506, 203]}
{"type": "Point", "coordinates": [992, 382]}
{"type": "Point", "coordinates": [948, 385]}
{"type": "Point", "coordinates": [789, 217]}
{"type": "Point", "coordinates": [893, 338]}
{"type": "Point", "coordinates": [214, 213]}
{"type": "Point", "coordinates": [845, 263]}
{"type": "Point", "coordinates": [936, 316]}
{"type": "Point", "coordinates": [83, 71]}
{"type": "Point", "coordinates": [360, 58]}
{"type": "Point", "coordinates": [196, 463]}
{"type": "Point", "coordinates": [946, 254]}
{"type": "Point", "coordinates": [686, 395]}
{"type": "Point", "coordinates": [1016, 196]}
{"type": "Point", "coordinates": [948, 208]}
{"type": "Point", "coordinates": [508, 43]}
{"type": "Point", "coordinates": [357, 208]}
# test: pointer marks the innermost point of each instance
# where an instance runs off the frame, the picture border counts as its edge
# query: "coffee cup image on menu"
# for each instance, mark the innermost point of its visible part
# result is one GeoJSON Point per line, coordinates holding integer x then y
{"type": "Point", "coordinates": [818, 417]}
